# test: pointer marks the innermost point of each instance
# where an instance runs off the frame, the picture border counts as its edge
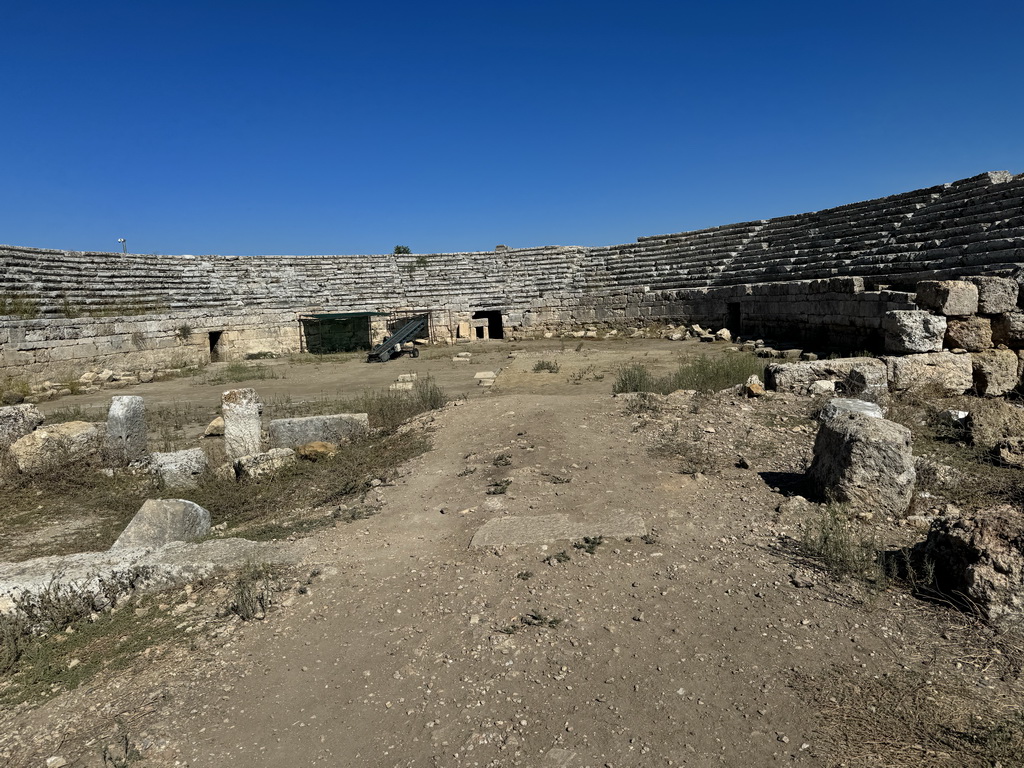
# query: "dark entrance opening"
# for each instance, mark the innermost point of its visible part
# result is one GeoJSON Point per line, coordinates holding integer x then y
{"type": "Point", "coordinates": [495, 330]}
{"type": "Point", "coordinates": [336, 332]}
{"type": "Point", "coordinates": [215, 347]}
{"type": "Point", "coordinates": [735, 317]}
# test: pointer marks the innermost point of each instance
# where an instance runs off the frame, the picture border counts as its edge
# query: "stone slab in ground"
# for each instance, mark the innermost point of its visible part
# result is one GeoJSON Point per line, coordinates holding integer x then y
{"type": "Point", "coordinates": [545, 529]}
{"type": "Point", "coordinates": [176, 563]}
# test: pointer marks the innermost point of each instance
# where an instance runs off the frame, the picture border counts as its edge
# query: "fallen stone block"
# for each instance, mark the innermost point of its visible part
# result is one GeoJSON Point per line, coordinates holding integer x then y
{"type": "Point", "coordinates": [838, 406]}
{"type": "Point", "coordinates": [241, 409]}
{"type": "Point", "coordinates": [851, 375]}
{"type": "Point", "coordinates": [953, 374]}
{"type": "Point", "coordinates": [126, 437]}
{"type": "Point", "coordinates": [56, 446]}
{"type": "Point", "coordinates": [912, 331]}
{"type": "Point", "coordinates": [995, 372]}
{"type": "Point", "coordinates": [865, 462]}
{"type": "Point", "coordinates": [971, 333]}
{"type": "Point", "coordinates": [485, 375]}
{"type": "Point", "coordinates": [135, 568]}
{"type": "Point", "coordinates": [978, 561]}
{"type": "Point", "coordinates": [401, 386]}
{"type": "Point", "coordinates": [16, 421]}
{"type": "Point", "coordinates": [995, 294]}
{"type": "Point", "coordinates": [406, 377]}
{"type": "Point", "coordinates": [335, 428]}
{"type": "Point", "coordinates": [821, 387]}
{"type": "Point", "coordinates": [262, 464]}
{"type": "Point", "coordinates": [180, 469]}
{"type": "Point", "coordinates": [161, 521]}
{"type": "Point", "coordinates": [754, 387]}
{"type": "Point", "coordinates": [948, 297]}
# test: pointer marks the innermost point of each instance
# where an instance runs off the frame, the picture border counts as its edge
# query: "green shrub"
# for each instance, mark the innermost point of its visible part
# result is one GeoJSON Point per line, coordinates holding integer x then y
{"type": "Point", "coordinates": [549, 366]}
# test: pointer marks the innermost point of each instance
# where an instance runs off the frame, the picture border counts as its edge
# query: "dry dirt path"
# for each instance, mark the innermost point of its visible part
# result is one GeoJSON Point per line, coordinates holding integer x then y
{"type": "Point", "coordinates": [677, 650]}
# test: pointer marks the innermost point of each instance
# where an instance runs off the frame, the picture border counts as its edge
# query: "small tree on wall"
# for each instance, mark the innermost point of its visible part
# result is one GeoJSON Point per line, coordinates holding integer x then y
{"type": "Point", "coordinates": [399, 249]}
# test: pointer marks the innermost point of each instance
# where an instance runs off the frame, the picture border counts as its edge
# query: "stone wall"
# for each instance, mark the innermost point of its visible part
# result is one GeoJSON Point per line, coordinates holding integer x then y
{"type": "Point", "coordinates": [823, 276]}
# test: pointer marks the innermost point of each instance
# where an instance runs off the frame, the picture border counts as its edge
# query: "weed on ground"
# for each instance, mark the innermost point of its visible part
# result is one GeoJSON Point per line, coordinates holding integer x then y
{"type": "Point", "coordinates": [705, 374]}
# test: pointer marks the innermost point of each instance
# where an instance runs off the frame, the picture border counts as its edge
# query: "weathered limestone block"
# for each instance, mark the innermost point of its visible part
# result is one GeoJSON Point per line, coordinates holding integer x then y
{"type": "Point", "coordinates": [180, 469]}
{"type": "Point", "coordinates": [852, 375]}
{"type": "Point", "coordinates": [971, 333]}
{"type": "Point", "coordinates": [125, 440]}
{"type": "Point", "coordinates": [838, 406]}
{"type": "Point", "coordinates": [291, 433]}
{"type": "Point", "coordinates": [995, 372]}
{"type": "Point", "coordinates": [56, 446]}
{"type": "Point", "coordinates": [241, 409]}
{"type": "Point", "coordinates": [913, 331]}
{"type": "Point", "coordinates": [1008, 329]}
{"type": "Point", "coordinates": [948, 297]}
{"type": "Point", "coordinates": [979, 560]}
{"type": "Point", "coordinates": [17, 421]}
{"type": "Point", "coordinates": [953, 373]}
{"type": "Point", "coordinates": [865, 462]}
{"type": "Point", "coordinates": [260, 465]}
{"type": "Point", "coordinates": [996, 294]}
{"type": "Point", "coordinates": [161, 521]}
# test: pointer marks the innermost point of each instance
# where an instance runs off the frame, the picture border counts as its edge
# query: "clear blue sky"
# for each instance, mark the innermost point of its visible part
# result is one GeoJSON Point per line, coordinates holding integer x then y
{"type": "Point", "coordinates": [331, 127]}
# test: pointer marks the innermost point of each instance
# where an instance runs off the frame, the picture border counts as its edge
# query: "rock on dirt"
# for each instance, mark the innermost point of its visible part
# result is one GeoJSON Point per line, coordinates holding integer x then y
{"type": "Point", "coordinates": [979, 560]}
{"type": "Point", "coordinates": [866, 462]}
{"type": "Point", "coordinates": [161, 521]}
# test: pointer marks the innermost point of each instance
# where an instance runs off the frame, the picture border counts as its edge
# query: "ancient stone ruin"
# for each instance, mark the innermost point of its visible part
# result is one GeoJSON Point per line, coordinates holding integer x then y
{"type": "Point", "coordinates": [829, 277]}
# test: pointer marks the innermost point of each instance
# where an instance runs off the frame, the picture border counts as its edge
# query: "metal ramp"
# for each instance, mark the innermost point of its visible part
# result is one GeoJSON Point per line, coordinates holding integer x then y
{"type": "Point", "coordinates": [413, 329]}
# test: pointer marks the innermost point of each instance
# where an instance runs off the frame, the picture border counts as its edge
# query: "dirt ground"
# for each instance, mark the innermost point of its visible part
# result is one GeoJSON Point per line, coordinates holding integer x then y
{"type": "Point", "coordinates": [705, 640]}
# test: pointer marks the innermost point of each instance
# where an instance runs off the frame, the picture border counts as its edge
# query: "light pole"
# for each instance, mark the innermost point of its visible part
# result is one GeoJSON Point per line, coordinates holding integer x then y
{"type": "Point", "coordinates": [124, 244]}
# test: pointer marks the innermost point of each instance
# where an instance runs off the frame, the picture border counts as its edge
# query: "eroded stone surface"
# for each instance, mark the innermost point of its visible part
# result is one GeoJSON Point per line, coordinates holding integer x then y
{"type": "Point", "coordinates": [125, 440]}
{"type": "Point", "coordinates": [180, 469]}
{"type": "Point", "coordinates": [261, 464]}
{"type": "Point", "coordinates": [948, 297]}
{"type": "Point", "coordinates": [17, 421]}
{"type": "Point", "coordinates": [953, 374]}
{"type": "Point", "coordinates": [909, 332]}
{"type": "Point", "coordinates": [851, 375]}
{"type": "Point", "coordinates": [995, 372]}
{"type": "Point", "coordinates": [865, 462]}
{"type": "Point", "coordinates": [241, 410]}
{"type": "Point", "coordinates": [971, 333]}
{"type": "Point", "coordinates": [979, 560]}
{"type": "Point", "coordinates": [161, 521]}
{"type": "Point", "coordinates": [56, 446]}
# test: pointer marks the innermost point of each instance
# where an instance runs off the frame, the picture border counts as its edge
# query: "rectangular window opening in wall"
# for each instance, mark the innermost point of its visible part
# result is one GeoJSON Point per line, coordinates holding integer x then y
{"type": "Point", "coordinates": [487, 324]}
{"type": "Point", "coordinates": [216, 348]}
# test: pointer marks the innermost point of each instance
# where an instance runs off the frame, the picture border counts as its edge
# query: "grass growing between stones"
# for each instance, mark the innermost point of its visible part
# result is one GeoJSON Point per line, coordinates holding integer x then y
{"type": "Point", "coordinates": [285, 503]}
{"type": "Point", "coordinates": [705, 374]}
{"type": "Point", "coordinates": [386, 410]}
{"type": "Point", "coordinates": [58, 511]}
{"type": "Point", "coordinates": [68, 637]}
